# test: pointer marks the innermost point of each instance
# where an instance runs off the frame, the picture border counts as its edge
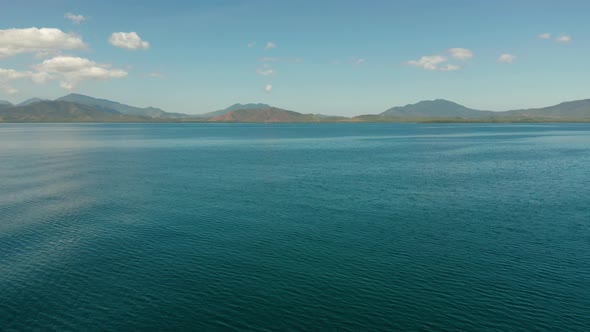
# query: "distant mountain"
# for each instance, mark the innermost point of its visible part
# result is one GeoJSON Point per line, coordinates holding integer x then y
{"type": "Point", "coordinates": [79, 108]}
{"type": "Point", "coordinates": [266, 115]}
{"type": "Point", "coordinates": [444, 109]}
{"type": "Point", "coordinates": [578, 109]}
{"type": "Point", "coordinates": [62, 111]}
{"type": "Point", "coordinates": [107, 105]}
{"type": "Point", "coordinates": [438, 108]}
{"type": "Point", "coordinates": [232, 108]}
{"type": "Point", "coordinates": [5, 104]}
{"type": "Point", "coordinates": [31, 101]}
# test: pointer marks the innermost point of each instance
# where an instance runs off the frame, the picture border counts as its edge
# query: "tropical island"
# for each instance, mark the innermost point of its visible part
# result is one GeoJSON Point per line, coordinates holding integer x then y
{"type": "Point", "coordinates": [81, 108]}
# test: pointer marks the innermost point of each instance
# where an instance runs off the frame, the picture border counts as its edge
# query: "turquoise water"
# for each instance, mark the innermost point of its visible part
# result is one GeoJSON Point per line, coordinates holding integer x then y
{"type": "Point", "coordinates": [349, 227]}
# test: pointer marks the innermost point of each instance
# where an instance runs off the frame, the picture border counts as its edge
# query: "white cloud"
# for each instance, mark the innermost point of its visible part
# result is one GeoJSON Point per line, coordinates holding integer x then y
{"type": "Point", "coordinates": [7, 75]}
{"type": "Point", "coordinates": [428, 62]}
{"type": "Point", "coordinates": [7, 89]}
{"type": "Point", "coordinates": [441, 63]}
{"type": "Point", "coordinates": [268, 88]}
{"type": "Point", "coordinates": [47, 54]}
{"type": "Point", "coordinates": [270, 45]}
{"type": "Point", "coordinates": [41, 77]}
{"type": "Point", "coordinates": [506, 58]}
{"type": "Point", "coordinates": [11, 75]}
{"type": "Point", "coordinates": [76, 19]}
{"type": "Point", "coordinates": [128, 40]}
{"type": "Point", "coordinates": [72, 71]}
{"type": "Point", "coordinates": [287, 60]}
{"type": "Point", "coordinates": [265, 71]}
{"type": "Point", "coordinates": [35, 40]}
{"type": "Point", "coordinates": [358, 61]}
{"type": "Point", "coordinates": [545, 35]}
{"type": "Point", "coordinates": [251, 44]}
{"type": "Point", "coordinates": [462, 54]}
{"type": "Point", "coordinates": [155, 75]}
{"type": "Point", "coordinates": [563, 39]}
{"type": "Point", "coordinates": [64, 64]}
{"type": "Point", "coordinates": [559, 39]}
{"type": "Point", "coordinates": [449, 67]}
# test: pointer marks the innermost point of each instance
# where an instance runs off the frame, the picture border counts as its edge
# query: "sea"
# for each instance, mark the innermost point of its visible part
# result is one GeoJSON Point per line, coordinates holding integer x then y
{"type": "Point", "coordinates": [295, 227]}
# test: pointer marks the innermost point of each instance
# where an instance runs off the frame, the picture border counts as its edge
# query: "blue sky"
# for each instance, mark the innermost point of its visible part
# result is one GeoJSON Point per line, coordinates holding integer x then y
{"type": "Point", "coordinates": [332, 57]}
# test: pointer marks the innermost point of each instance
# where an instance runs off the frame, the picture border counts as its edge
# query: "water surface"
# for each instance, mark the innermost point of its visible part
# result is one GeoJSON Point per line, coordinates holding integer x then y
{"type": "Point", "coordinates": [350, 227]}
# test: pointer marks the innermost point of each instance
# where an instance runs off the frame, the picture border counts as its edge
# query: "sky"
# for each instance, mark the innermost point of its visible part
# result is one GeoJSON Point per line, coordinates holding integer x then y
{"type": "Point", "coordinates": [330, 57]}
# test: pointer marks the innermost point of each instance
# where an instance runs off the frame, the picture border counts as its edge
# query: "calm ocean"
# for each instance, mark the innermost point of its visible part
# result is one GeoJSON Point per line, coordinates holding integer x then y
{"type": "Point", "coordinates": [338, 227]}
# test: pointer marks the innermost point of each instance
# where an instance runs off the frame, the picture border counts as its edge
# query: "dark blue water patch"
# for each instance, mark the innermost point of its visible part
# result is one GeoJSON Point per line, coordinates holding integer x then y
{"type": "Point", "coordinates": [295, 227]}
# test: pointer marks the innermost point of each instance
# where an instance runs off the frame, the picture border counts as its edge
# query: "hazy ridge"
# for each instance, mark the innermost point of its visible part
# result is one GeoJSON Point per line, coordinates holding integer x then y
{"type": "Point", "coordinates": [80, 108]}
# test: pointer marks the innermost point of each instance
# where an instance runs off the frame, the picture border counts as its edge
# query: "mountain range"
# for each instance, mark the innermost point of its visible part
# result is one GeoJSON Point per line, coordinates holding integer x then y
{"type": "Point", "coordinates": [80, 108]}
{"type": "Point", "coordinates": [234, 107]}
{"type": "Point", "coordinates": [271, 114]}
{"type": "Point", "coordinates": [31, 101]}
{"type": "Point", "coordinates": [440, 108]}
{"type": "Point", "coordinates": [107, 105]}
{"type": "Point", "coordinates": [61, 111]}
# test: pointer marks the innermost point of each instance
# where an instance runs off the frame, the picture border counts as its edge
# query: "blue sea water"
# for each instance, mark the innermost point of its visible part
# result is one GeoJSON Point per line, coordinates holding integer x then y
{"type": "Point", "coordinates": [338, 227]}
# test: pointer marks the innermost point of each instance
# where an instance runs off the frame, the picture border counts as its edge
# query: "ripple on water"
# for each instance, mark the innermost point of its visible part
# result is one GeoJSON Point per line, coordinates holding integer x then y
{"type": "Point", "coordinates": [294, 227]}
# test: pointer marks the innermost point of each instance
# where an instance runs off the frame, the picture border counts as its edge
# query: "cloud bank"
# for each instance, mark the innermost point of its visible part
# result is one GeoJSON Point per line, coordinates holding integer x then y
{"type": "Point", "coordinates": [35, 40]}
{"type": "Point", "coordinates": [71, 71]}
